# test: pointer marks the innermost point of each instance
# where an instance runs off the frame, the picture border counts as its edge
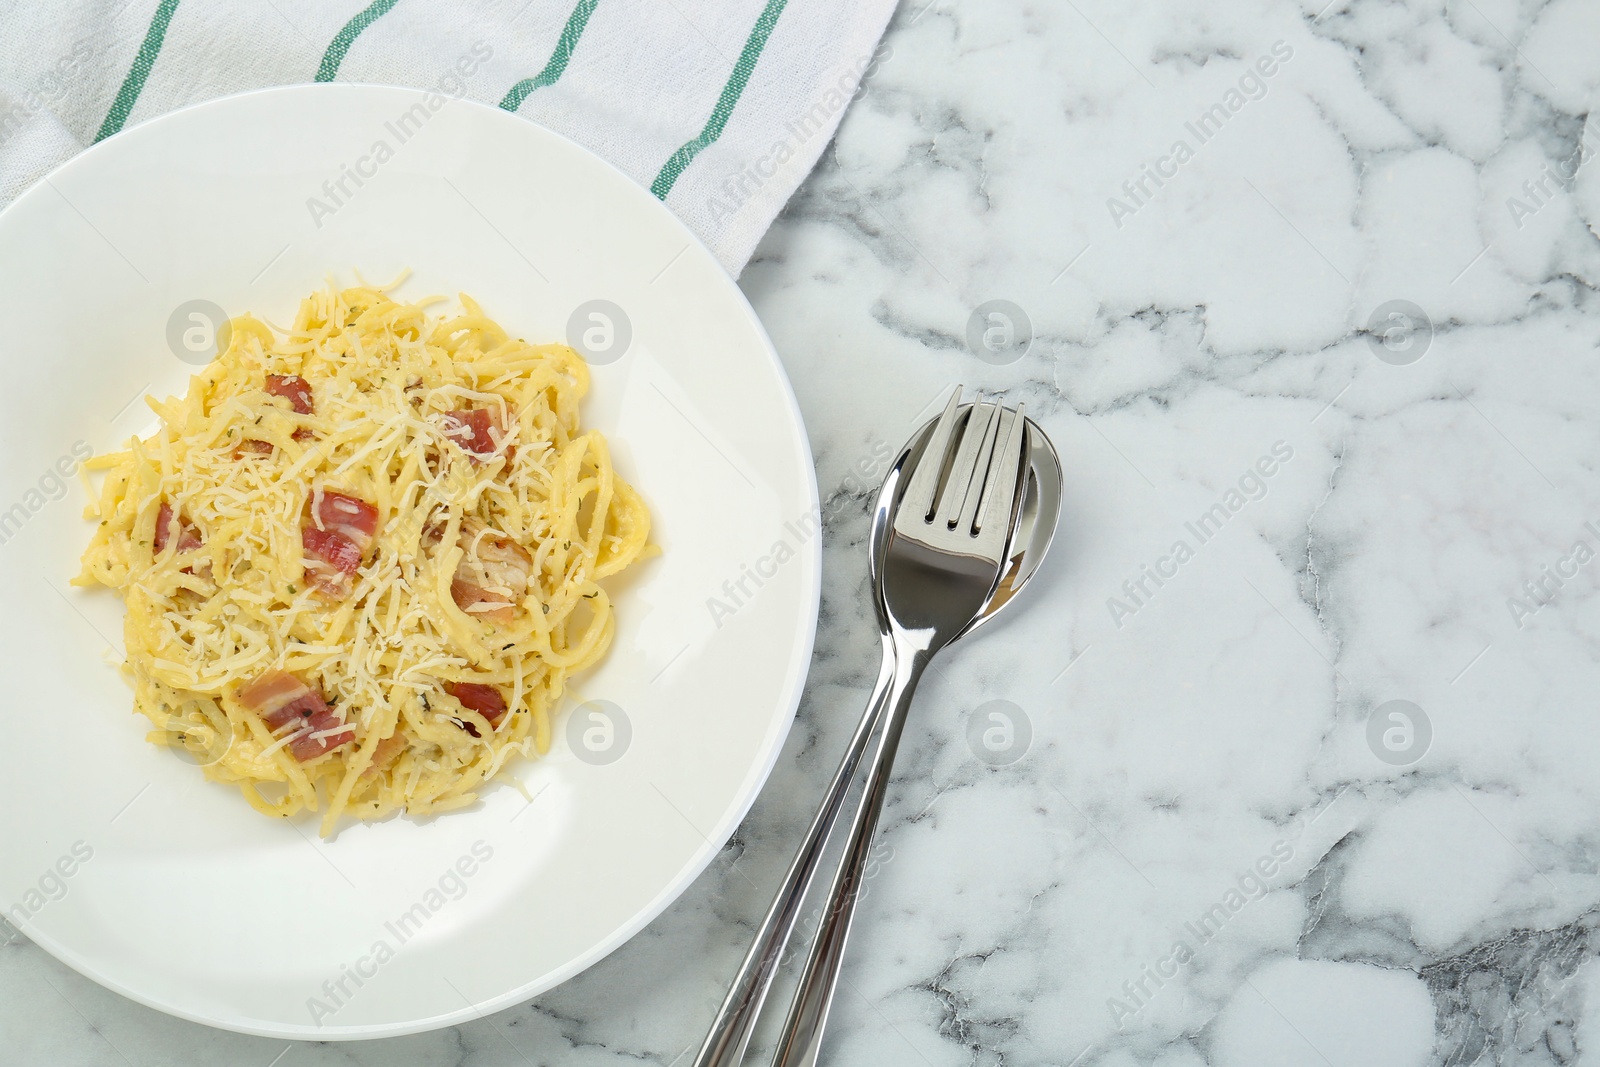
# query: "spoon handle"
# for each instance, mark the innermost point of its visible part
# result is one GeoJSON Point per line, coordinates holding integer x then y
{"type": "Point", "coordinates": [808, 1015]}
{"type": "Point", "coordinates": [730, 1032]}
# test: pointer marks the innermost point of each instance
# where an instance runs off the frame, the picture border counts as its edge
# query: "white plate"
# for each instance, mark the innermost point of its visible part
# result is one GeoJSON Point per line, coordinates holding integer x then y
{"type": "Point", "coordinates": [188, 900]}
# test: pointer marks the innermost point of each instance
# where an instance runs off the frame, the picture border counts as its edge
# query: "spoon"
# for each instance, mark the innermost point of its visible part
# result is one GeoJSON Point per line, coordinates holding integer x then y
{"type": "Point", "coordinates": [1027, 542]}
{"type": "Point", "coordinates": [1030, 536]}
{"type": "Point", "coordinates": [1027, 538]}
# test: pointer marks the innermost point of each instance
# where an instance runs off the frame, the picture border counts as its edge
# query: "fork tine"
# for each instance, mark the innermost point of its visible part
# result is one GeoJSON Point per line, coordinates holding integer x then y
{"type": "Point", "coordinates": [977, 495]}
{"type": "Point", "coordinates": [966, 472]}
{"type": "Point", "coordinates": [1005, 468]}
{"type": "Point", "coordinates": [925, 478]}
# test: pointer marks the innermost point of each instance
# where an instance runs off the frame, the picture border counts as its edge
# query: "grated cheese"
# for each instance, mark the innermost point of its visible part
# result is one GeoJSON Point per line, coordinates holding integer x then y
{"type": "Point", "coordinates": [383, 375]}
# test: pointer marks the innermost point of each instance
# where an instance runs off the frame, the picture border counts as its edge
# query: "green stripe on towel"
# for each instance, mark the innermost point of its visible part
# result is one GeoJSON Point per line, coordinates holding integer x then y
{"type": "Point", "coordinates": [558, 59]}
{"type": "Point", "coordinates": [725, 103]}
{"type": "Point", "coordinates": [346, 37]}
{"type": "Point", "coordinates": [133, 84]}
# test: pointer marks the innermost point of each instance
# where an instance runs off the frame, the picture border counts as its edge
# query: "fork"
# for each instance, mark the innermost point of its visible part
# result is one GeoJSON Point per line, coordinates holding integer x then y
{"type": "Point", "coordinates": [942, 562]}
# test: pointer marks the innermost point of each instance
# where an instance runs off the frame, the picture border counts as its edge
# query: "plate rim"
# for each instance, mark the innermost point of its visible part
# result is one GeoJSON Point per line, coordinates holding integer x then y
{"type": "Point", "coordinates": [799, 664]}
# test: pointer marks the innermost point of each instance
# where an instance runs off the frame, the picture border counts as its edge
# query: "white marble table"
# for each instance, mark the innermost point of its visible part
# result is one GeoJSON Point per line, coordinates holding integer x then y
{"type": "Point", "coordinates": [1215, 847]}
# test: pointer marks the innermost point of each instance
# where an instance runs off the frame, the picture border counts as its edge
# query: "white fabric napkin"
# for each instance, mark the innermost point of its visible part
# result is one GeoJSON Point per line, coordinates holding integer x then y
{"type": "Point", "coordinates": [719, 107]}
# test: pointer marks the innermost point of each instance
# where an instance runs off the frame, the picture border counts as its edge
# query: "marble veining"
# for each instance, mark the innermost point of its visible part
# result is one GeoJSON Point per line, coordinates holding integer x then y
{"type": "Point", "coordinates": [1218, 844]}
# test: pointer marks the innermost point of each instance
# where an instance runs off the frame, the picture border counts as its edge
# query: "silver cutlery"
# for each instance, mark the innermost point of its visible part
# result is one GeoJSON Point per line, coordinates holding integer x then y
{"type": "Point", "coordinates": [961, 524]}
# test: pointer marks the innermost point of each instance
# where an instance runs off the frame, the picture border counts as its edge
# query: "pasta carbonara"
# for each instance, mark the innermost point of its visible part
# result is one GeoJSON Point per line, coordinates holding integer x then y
{"type": "Point", "coordinates": [360, 558]}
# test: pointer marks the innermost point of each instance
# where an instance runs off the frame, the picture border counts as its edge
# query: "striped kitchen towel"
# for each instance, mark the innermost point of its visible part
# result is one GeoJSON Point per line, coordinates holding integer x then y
{"type": "Point", "coordinates": [719, 107]}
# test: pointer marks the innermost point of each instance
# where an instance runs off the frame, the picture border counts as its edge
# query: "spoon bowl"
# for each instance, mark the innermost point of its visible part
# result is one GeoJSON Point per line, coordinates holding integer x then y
{"type": "Point", "coordinates": [1031, 532]}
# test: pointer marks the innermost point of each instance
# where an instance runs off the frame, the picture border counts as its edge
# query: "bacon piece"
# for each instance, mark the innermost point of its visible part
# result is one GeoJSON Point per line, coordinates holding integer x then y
{"type": "Point", "coordinates": [293, 388]}
{"type": "Point", "coordinates": [168, 524]}
{"type": "Point", "coordinates": [387, 749]}
{"type": "Point", "coordinates": [337, 533]}
{"type": "Point", "coordinates": [250, 444]}
{"type": "Point", "coordinates": [331, 559]}
{"type": "Point", "coordinates": [346, 515]}
{"type": "Point", "coordinates": [308, 746]}
{"type": "Point", "coordinates": [492, 576]}
{"type": "Point", "coordinates": [476, 430]}
{"type": "Point", "coordinates": [480, 603]}
{"type": "Point", "coordinates": [278, 697]}
{"type": "Point", "coordinates": [469, 428]}
{"type": "Point", "coordinates": [486, 700]}
{"type": "Point", "coordinates": [282, 699]}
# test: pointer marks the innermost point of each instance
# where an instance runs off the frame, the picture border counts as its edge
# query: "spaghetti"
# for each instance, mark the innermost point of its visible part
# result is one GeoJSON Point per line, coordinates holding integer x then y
{"type": "Point", "coordinates": [361, 559]}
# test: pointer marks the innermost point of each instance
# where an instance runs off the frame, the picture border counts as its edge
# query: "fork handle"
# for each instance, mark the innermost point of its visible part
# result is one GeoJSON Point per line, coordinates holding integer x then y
{"type": "Point", "coordinates": [808, 1015]}
{"type": "Point", "coordinates": [729, 1035]}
